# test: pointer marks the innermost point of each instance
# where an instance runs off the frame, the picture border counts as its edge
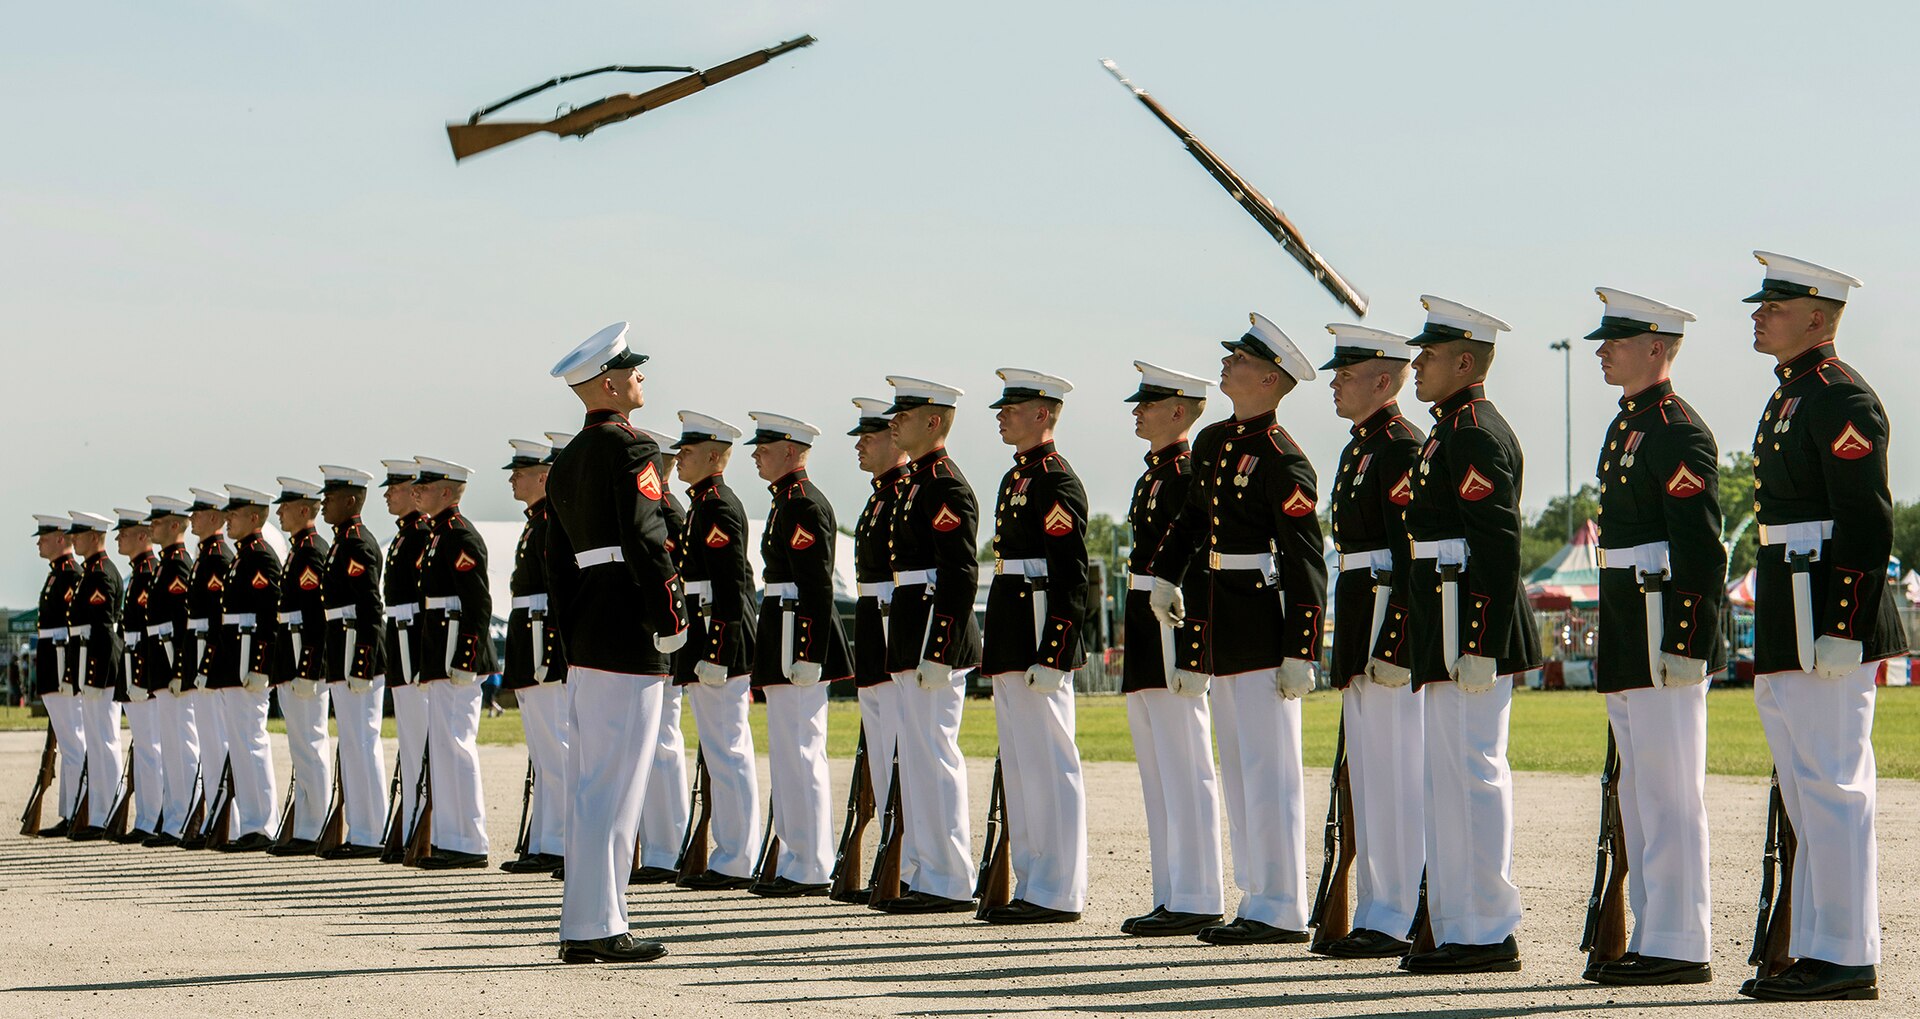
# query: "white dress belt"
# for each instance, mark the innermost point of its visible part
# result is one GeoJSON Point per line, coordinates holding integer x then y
{"type": "Point", "coordinates": [915, 578]}
{"type": "Point", "coordinates": [1378, 559]}
{"type": "Point", "coordinates": [450, 603]}
{"type": "Point", "coordinates": [784, 592]}
{"type": "Point", "coordinates": [1140, 581]}
{"type": "Point", "coordinates": [531, 602]}
{"type": "Point", "coordinates": [237, 619]}
{"type": "Point", "coordinates": [1803, 536]}
{"type": "Point", "coordinates": [402, 613]}
{"type": "Point", "coordinates": [339, 612]}
{"type": "Point", "coordinates": [80, 632]}
{"type": "Point", "coordinates": [197, 625]}
{"type": "Point", "coordinates": [1029, 568]}
{"type": "Point", "coordinates": [53, 633]}
{"type": "Point", "coordinates": [881, 589]}
{"type": "Point", "coordinates": [1650, 558]}
{"type": "Point", "coordinates": [1262, 561]}
{"type": "Point", "coordinates": [1445, 551]}
{"type": "Point", "coordinates": [701, 589]}
{"type": "Point", "coordinates": [160, 630]}
{"type": "Point", "coordinates": [295, 618]}
{"type": "Point", "coordinates": [599, 556]}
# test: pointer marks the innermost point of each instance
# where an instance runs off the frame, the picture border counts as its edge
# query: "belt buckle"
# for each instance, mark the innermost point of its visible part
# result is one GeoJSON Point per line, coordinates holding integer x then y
{"type": "Point", "coordinates": [999, 566]}
{"type": "Point", "coordinates": [1213, 560]}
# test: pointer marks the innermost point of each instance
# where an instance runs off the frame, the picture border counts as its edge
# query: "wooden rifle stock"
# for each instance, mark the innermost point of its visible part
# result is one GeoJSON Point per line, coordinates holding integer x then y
{"type": "Point", "coordinates": [1604, 938]}
{"type": "Point", "coordinates": [36, 799]}
{"type": "Point", "coordinates": [769, 866]}
{"type": "Point", "coordinates": [333, 831]}
{"type": "Point", "coordinates": [222, 809]}
{"type": "Point", "coordinates": [885, 883]}
{"type": "Point", "coordinates": [1333, 908]}
{"type": "Point", "coordinates": [393, 846]}
{"type": "Point", "coordinates": [80, 811]}
{"type": "Point", "coordinates": [525, 838]}
{"type": "Point", "coordinates": [1773, 927]}
{"type": "Point", "coordinates": [420, 840]}
{"type": "Point", "coordinates": [845, 885]}
{"type": "Point", "coordinates": [195, 829]}
{"type": "Point", "coordinates": [995, 885]}
{"type": "Point", "coordinates": [475, 137]}
{"type": "Point", "coordinates": [693, 852]}
{"type": "Point", "coordinates": [289, 813]}
{"type": "Point", "coordinates": [119, 821]}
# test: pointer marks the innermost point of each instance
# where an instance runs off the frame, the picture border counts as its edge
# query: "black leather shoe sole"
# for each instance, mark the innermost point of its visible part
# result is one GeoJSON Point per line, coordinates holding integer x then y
{"type": "Point", "coordinates": [714, 881]}
{"type": "Point", "coordinates": [134, 837]}
{"type": "Point", "coordinates": [653, 876]}
{"type": "Point", "coordinates": [537, 863]}
{"type": "Point", "coordinates": [784, 889]}
{"type": "Point", "coordinates": [602, 951]}
{"type": "Point", "coordinates": [1025, 912]}
{"type": "Point", "coordinates": [351, 852]}
{"type": "Point", "coordinates": [1364, 944]}
{"type": "Point", "coordinates": [1172, 925]}
{"type": "Point", "coordinates": [90, 833]}
{"type": "Point", "coordinates": [1251, 932]}
{"type": "Point", "coordinates": [294, 847]}
{"type": "Point", "coordinates": [920, 902]}
{"type": "Point", "coordinates": [57, 830]}
{"type": "Point", "coordinates": [251, 842]}
{"type": "Point", "coordinates": [161, 841]}
{"type": "Point", "coordinates": [1646, 971]}
{"type": "Point", "coordinates": [454, 861]}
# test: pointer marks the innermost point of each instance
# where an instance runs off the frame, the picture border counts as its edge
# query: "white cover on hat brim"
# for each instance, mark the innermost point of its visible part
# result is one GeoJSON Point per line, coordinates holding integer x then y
{"type": "Point", "coordinates": [589, 359]}
{"type": "Point", "coordinates": [1166, 378]}
{"type": "Point", "coordinates": [1476, 323]}
{"type": "Point", "coordinates": [1286, 354]}
{"type": "Point", "coordinates": [696, 423]}
{"type": "Point", "coordinates": [1386, 344]}
{"type": "Point", "coordinates": [1665, 318]}
{"type": "Point", "coordinates": [1824, 282]}
{"type": "Point", "coordinates": [1053, 387]}
{"type": "Point", "coordinates": [907, 387]}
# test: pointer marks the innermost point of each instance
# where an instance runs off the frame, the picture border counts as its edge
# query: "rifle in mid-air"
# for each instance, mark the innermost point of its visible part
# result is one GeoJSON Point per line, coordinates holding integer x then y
{"type": "Point", "coordinates": [1332, 907]}
{"type": "Point", "coordinates": [693, 851]}
{"type": "Point", "coordinates": [884, 885]}
{"type": "Point", "coordinates": [1771, 930]}
{"type": "Point", "coordinates": [1270, 218]}
{"type": "Point", "coordinates": [475, 137]}
{"type": "Point", "coordinates": [1604, 938]}
{"type": "Point", "coordinates": [36, 800]}
{"type": "Point", "coordinates": [845, 885]}
{"type": "Point", "coordinates": [995, 885]}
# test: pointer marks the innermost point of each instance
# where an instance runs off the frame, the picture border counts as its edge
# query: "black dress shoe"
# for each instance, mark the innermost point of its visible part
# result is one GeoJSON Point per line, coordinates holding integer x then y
{"type": "Point", "coordinates": [786, 888]}
{"type": "Point", "coordinates": [1453, 958]}
{"type": "Point", "coordinates": [619, 948]}
{"type": "Point", "coordinates": [56, 830]}
{"type": "Point", "coordinates": [251, 842]}
{"type": "Point", "coordinates": [1171, 924]}
{"type": "Point", "coordinates": [196, 842]}
{"type": "Point", "coordinates": [1361, 943]}
{"type": "Point", "coordinates": [1022, 911]}
{"type": "Point", "coordinates": [924, 902]}
{"type": "Point", "coordinates": [294, 847]}
{"type": "Point", "coordinates": [398, 856]}
{"type": "Point", "coordinates": [136, 836]}
{"type": "Point", "coordinates": [559, 873]}
{"type": "Point", "coordinates": [161, 841]}
{"type": "Point", "coordinates": [1648, 970]}
{"type": "Point", "coordinates": [532, 863]}
{"type": "Point", "coordinates": [349, 851]}
{"type": "Point", "coordinates": [1126, 926]}
{"type": "Point", "coordinates": [1817, 980]}
{"type": "Point", "coordinates": [443, 859]}
{"type": "Point", "coordinates": [1243, 931]}
{"type": "Point", "coordinates": [857, 897]}
{"type": "Point", "coordinates": [714, 881]}
{"type": "Point", "coordinates": [87, 833]}
{"type": "Point", "coordinates": [1592, 972]}
{"type": "Point", "coordinates": [653, 876]}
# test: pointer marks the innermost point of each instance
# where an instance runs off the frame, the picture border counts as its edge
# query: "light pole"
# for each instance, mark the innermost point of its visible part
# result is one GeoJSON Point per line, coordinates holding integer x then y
{"type": "Point", "coordinates": [1566, 347]}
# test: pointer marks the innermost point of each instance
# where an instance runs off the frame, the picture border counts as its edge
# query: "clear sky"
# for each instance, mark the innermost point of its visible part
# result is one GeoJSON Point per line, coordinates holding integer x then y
{"type": "Point", "coordinates": [236, 243]}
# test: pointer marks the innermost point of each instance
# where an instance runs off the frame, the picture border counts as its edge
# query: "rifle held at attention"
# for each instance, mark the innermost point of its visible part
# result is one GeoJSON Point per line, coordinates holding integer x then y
{"type": "Point", "coordinates": [845, 885]}
{"type": "Point", "coordinates": [884, 886]}
{"type": "Point", "coordinates": [1333, 908]}
{"type": "Point", "coordinates": [1604, 938]}
{"type": "Point", "coordinates": [42, 781]}
{"type": "Point", "coordinates": [995, 885]}
{"type": "Point", "coordinates": [1773, 927]}
{"type": "Point", "coordinates": [693, 851]}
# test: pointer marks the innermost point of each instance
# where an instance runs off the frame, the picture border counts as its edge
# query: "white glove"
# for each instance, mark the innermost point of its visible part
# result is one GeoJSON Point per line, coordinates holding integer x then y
{"type": "Point", "coordinates": [934, 676]}
{"type": "Point", "coordinates": [1835, 657]}
{"type": "Point", "coordinates": [305, 689]}
{"type": "Point", "coordinates": [1294, 678]}
{"type": "Point", "coordinates": [255, 681]}
{"type": "Point", "coordinates": [137, 693]}
{"type": "Point", "coordinates": [94, 693]}
{"type": "Point", "coordinates": [175, 684]}
{"type": "Point", "coordinates": [1044, 679]}
{"type": "Point", "coordinates": [1189, 684]}
{"type": "Point", "coordinates": [461, 677]}
{"type": "Point", "coordinates": [804, 673]}
{"type": "Point", "coordinates": [1678, 671]}
{"type": "Point", "coordinates": [670, 643]}
{"type": "Point", "coordinates": [1169, 605]}
{"type": "Point", "coordinates": [1474, 673]}
{"type": "Point", "coordinates": [1388, 674]}
{"type": "Point", "coordinates": [359, 685]}
{"type": "Point", "coordinates": [200, 681]}
{"type": "Point", "coordinates": [709, 673]}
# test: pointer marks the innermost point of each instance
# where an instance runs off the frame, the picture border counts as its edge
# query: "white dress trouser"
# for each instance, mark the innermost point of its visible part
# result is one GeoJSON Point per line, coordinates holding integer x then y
{"type": "Point", "coordinates": [1471, 897]}
{"type": "Point", "coordinates": [544, 715]}
{"type": "Point", "coordinates": [363, 779]}
{"type": "Point", "coordinates": [802, 785]}
{"type": "Point", "coordinates": [410, 726]}
{"type": "Point", "coordinates": [933, 787]}
{"type": "Point", "coordinates": [70, 737]}
{"type": "Point", "coordinates": [453, 731]}
{"type": "Point", "coordinates": [306, 720]}
{"type": "Point", "coordinates": [880, 706]}
{"type": "Point", "coordinates": [243, 720]}
{"type": "Point", "coordinates": [1662, 738]}
{"type": "Point", "coordinates": [1046, 792]}
{"type": "Point", "coordinates": [614, 719]}
{"type": "Point", "coordinates": [1265, 785]}
{"type": "Point", "coordinates": [1386, 765]}
{"type": "Point", "coordinates": [1820, 731]}
{"type": "Point", "coordinates": [146, 723]}
{"type": "Point", "coordinates": [720, 716]}
{"type": "Point", "coordinates": [1173, 746]}
{"type": "Point", "coordinates": [663, 813]}
{"type": "Point", "coordinates": [180, 754]}
{"type": "Point", "coordinates": [100, 714]}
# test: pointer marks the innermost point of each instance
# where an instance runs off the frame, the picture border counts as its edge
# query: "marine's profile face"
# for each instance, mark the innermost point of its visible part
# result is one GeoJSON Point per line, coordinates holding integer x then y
{"type": "Point", "coordinates": [55, 545]}
{"type": "Point", "coordinates": [399, 499]}
{"type": "Point", "coordinates": [1786, 327]}
{"type": "Point", "coordinates": [1242, 374]}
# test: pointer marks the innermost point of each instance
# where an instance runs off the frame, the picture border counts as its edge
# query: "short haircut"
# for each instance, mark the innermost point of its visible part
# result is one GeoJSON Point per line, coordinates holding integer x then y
{"type": "Point", "coordinates": [1482, 353]}
{"type": "Point", "coordinates": [1194, 404]}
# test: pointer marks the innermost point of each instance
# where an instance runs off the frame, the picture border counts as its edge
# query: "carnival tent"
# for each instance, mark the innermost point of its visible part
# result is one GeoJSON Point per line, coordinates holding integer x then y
{"type": "Point", "coordinates": [1571, 578]}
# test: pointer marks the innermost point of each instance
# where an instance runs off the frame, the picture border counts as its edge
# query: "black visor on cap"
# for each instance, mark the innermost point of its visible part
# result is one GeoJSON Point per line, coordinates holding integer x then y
{"type": "Point", "coordinates": [1781, 290]}
{"type": "Point", "coordinates": [1253, 346]}
{"type": "Point", "coordinates": [287, 497]}
{"type": "Point", "coordinates": [764, 436]}
{"type": "Point", "coordinates": [1019, 394]}
{"type": "Point", "coordinates": [691, 438]}
{"type": "Point", "coordinates": [1347, 356]}
{"type": "Point", "coordinates": [868, 425]}
{"type": "Point", "coordinates": [1434, 332]}
{"type": "Point", "coordinates": [901, 403]}
{"type": "Point", "coordinates": [1615, 327]}
{"type": "Point", "coordinates": [524, 461]}
{"type": "Point", "coordinates": [1149, 394]}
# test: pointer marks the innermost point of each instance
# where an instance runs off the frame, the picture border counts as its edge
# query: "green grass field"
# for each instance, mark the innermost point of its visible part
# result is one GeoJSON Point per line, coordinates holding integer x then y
{"type": "Point", "coordinates": [1551, 731]}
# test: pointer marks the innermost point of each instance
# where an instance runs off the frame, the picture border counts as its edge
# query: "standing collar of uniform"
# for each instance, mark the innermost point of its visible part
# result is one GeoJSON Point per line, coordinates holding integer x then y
{"type": "Point", "coordinates": [1167, 453]}
{"type": "Point", "coordinates": [340, 530]}
{"type": "Point", "coordinates": [1802, 366]}
{"type": "Point", "coordinates": [65, 562]}
{"type": "Point", "coordinates": [1377, 420]}
{"type": "Point", "coordinates": [303, 535]}
{"type": "Point", "coordinates": [601, 417]}
{"type": "Point", "coordinates": [96, 557]}
{"type": "Point", "coordinates": [249, 539]}
{"type": "Point", "coordinates": [213, 541]}
{"type": "Point", "coordinates": [178, 546]}
{"type": "Point", "coordinates": [932, 456]}
{"type": "Point", "coordinates": [1458, 401]}
{"type": "Point", "coordinates": [1258, 423]}
{"type": "Point", "coordinates": [446, 516]}
{"type": "Point", "coordinates": [408, 519]}
{"type": "Point", "coordinates": [1033, 454]}
{"type": "Point", "coordinates": [536, 507]}
{"type": "Point", "coordinates": [144, 555]}
{"type": "Point", "coordinates": [892, 475]}
{"type": "Point", "coordinates": [1646, 398]}
{"type": "Point", "coordinates": [705, 485]}
{"type": "Point", "coordinates": [797, 476]}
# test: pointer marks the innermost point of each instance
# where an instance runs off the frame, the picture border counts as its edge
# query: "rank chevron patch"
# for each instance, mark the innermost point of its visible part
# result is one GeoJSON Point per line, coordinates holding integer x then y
{"type": "Point", "coordinates": [802, 538]}
{"type": "Point", "coordinates": [1685, 483]}
{"type": "Point", "coordinates": [946, 519]}
{"type": "Point", "coordinates": [464, 562]}
{"type": "Point", "coordinates": [1299, 504]}
{"type": "Point", "coordinates": [648, 483]}
{"type": "Point", "coordinates": [1057, 521]}
{"type": "Point", "coordinates": [717, 538]}
{"type": "Point", "coordinates": [1402, 491]}
{"type": "Point", "coordinates": [355, 568]}
{"type": "Point", "coordinates": [1475, 486]}
{"type": "Point", "coordinates": [1851, 445]}
{"type": "Point", "coordinates": [309, 580]}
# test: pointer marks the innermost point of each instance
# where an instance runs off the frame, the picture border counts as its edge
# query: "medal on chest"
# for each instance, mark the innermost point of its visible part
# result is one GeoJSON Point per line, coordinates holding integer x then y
{"type": "Point", "coordinates": [1244, 470]}
{"type": "Point", "coordinates": [1426, 456]}
{"type": "Point", "coordinates": [1019, 490]}
{"type": "Point", "coordinates": [1628, 455]}
{"type": "Point", "coordinates": [1785, 420]}
{"type": "Point", "coordinates": [1360, 472]}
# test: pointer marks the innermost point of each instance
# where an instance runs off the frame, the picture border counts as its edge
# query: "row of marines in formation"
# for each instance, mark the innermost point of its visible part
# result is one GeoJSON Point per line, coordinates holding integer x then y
{"type": "Point", "coordinates": [1223, 624]}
